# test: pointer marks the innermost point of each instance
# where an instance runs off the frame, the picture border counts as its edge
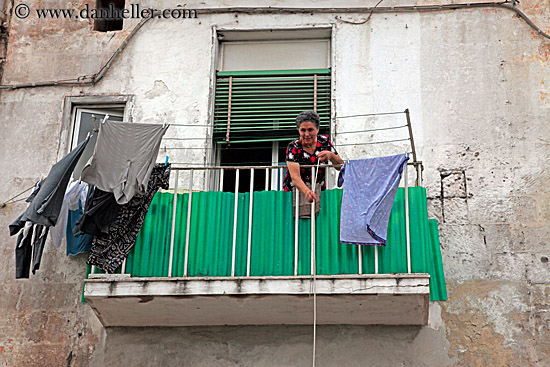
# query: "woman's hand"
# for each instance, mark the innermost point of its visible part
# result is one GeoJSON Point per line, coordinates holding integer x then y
{"type": "Point", "coordinates": [310, 196]}
{"type": "Point", "coordinates": [326, 155]}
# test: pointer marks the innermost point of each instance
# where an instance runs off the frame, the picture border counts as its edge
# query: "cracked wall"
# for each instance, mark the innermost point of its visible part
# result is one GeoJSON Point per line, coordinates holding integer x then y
{"type": "Point", "coordinates": [475, 82]}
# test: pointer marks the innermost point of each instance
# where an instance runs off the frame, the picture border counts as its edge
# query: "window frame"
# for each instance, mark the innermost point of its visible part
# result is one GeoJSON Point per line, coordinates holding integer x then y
{"type": "Point", "coordinates": [71, 103]}
{"type": "Point", "coordinates": [77, 116]}
{"type": "Point", "coordinates": [220, 36]}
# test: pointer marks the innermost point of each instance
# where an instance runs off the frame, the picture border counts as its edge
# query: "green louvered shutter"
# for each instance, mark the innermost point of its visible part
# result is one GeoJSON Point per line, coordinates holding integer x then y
{"type": "Point", "coordinates": [254, 106]}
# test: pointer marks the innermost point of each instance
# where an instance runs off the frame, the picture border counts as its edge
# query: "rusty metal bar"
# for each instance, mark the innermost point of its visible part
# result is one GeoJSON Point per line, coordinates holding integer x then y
{"type": "Point", "coordinates": [314, 92]}
{"type": "Point", "coordinates": [229, 109]}
{"type": "Point", "coordinates": [409, 126]}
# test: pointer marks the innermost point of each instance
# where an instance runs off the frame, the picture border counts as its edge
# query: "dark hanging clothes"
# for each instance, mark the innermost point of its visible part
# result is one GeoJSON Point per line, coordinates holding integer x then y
{"type": "Point", "coordinates": [76, 244]}
{"type": "Point", "coordinates": [29, 249]}
{"type": "Point", "coordinates": [23, 252]}
{"type": "Point", "coordinates": [45, 206]}
{"type": "Point", "coordinates": [109, 251]}
{"type": "Point", "coordinates": [100, 211]}
{"type": "Point", "coordinates": [43, 211]}
{"type": "Point", "coordinates": [40, 235]}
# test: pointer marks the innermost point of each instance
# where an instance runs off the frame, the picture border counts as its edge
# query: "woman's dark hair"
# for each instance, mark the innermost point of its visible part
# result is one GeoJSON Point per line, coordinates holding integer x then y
{"type": "Point", "coordinates": [310, 116]}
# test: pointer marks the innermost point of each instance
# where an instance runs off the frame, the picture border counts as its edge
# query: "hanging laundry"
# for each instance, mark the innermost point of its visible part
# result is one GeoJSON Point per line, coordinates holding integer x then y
{"type": "Point", "coordinates": [46, 204]}
{"type": "Point", "coordinates": [43, 211]}
{"type": "Point", "coordinates": [368, 195]}
{"type": "Point", "coordinates": [100, 211]}
{"type": "Point", "coordinates": [76, 244]}
{"type": "Point", "coordinates": [109, 251]}
{"type": "Point", "coordinates": [75, 194]}
{"type": "Point", "coordinates": [123, 158]}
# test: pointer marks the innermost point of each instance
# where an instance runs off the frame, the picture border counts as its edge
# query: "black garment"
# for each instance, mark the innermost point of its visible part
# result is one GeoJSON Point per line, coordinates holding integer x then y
{"type": "Point", "coordinates": [29, 249]}
{"type": "Point", "coordinates": [46, 205]}
{"type": "Point", "coordinates": [40, 235]}
{"type": "Point", "coordinates": [23, 253]}
{"type": "Point", "coordinates": [100, 211]}
{"type": "Point", "coordinates": [109, 251]}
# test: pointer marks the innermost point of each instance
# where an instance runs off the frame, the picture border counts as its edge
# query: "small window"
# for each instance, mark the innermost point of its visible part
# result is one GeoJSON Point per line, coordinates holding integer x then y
{"type": "Point", "coordinates": [109, 15]}
{"type": "Point", "coordinates": [84, 123]}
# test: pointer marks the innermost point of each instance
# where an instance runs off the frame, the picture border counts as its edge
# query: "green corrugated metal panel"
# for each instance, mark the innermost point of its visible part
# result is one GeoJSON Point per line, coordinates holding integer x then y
{"type": "Point", "coordinates": [272, 253]}
{"type": "Point", "coordinates": [438, 290]}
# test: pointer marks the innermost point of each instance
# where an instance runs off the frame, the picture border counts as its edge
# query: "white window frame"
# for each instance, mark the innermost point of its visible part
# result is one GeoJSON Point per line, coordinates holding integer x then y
{"type": "Point", "coordinates": [77, 115]}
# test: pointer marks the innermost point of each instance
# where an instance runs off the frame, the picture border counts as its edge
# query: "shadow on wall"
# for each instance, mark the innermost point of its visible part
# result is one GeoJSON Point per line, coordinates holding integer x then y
{"type": "Point", "coordinates": [338, 345]}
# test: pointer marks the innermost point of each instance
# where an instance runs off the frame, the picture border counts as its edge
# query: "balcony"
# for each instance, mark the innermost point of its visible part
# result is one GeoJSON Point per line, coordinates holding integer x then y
{"type": "Point", "coordinates": [233, 258]}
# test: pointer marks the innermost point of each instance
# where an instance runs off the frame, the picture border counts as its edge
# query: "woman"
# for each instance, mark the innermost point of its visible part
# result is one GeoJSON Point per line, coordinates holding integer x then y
{"type": "Point", "coordinates": [310, 148]}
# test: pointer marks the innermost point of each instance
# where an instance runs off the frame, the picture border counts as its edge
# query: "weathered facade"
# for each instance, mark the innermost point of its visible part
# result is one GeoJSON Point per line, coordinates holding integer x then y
{"type": "Point", "coordinates": [476, 81]}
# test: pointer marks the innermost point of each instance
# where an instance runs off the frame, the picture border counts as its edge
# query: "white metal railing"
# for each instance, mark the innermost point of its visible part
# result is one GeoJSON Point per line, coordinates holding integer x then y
{"type": "Point", "coordinates": [217, 173]}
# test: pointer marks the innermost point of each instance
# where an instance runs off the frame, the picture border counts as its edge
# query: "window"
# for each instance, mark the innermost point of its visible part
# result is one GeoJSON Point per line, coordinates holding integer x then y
{"type": "Point", "coordinates": [261, 87]}
{"type": "Point", "coordinates": [109, 15]}
{"type": "Point", "coordinates": [85, 121]}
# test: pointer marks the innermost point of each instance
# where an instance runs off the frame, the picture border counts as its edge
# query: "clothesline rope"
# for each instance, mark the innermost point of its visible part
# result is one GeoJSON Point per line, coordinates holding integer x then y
{"type": "Point", "coordinates": [336, 145]}
{"type": "Point", "coordinates": [10, 200]}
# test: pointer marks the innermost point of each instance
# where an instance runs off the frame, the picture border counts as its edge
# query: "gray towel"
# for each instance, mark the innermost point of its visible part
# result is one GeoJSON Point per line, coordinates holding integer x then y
{"type": "Point", "coordinates": [123, 158]}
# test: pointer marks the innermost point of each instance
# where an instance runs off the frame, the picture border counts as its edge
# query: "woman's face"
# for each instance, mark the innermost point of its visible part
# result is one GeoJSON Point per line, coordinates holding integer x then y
{"type": "Point", "coordinates": [308, 132]}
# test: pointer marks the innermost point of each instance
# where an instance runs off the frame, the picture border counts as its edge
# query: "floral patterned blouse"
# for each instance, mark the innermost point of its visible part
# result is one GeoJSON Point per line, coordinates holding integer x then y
{"type": "Point", "coordinates": [295, 152]}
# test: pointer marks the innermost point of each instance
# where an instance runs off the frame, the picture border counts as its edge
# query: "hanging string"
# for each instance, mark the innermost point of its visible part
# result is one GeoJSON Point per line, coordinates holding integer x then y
{"type": "Point", "coordinates": [11, 200]}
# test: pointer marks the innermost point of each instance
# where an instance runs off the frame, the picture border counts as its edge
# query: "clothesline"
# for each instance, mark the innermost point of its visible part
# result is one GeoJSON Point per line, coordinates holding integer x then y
{"type": "Point", "coordinates": [333, 118]}
{"type": "Point", "coordinates": [10, 200]}
{"type": "Point", "coordinates": [336, 145]}
{"type": "Point", "coordinates": [252, 137]}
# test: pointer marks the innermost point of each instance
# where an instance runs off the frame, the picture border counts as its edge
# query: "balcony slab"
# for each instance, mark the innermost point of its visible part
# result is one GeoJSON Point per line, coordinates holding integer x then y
{"type": "Point", "coordinates": [382, 299]}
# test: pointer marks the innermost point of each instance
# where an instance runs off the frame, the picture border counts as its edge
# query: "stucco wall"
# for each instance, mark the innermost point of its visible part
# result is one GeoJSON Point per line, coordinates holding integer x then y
{"type": "Point", "coordinates": [476, 83]}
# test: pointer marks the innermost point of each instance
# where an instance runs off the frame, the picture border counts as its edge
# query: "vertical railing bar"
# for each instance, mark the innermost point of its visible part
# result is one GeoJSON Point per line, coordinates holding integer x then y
{"type": "Point", "coordinates": [266, 179]}
{"type": "Point", "coordinates": [375, 259]}
{"type": "Point", "coordinates": [188, 229]}
{"type": "Point", "coordinates": [417, 175]}
{"type": "Point", "coordinates": [235, 223]}
{"type": "Point", "coordinates": [206, 180]}
{"type": "Point", "coordinates": [360, 258]}
{"type": "Point", "coordinates": [123, 270]}
{"type": "Point", "coordinates": [281, 176]}
{"type": "Point", "coordinates": [250, 222]}
{"type": "Point", "coordinates": [221, 178]}
{"type": "Point", "coordinates": [93, 269]}
{"type": "Point", "coordinates": [296, 229]}
{"type": "Point", "coordinates": [312, 216]}
{"type": "Point", "coordinates": [407, 223]}
{"type": "Point", "coordinates": [173, 230]}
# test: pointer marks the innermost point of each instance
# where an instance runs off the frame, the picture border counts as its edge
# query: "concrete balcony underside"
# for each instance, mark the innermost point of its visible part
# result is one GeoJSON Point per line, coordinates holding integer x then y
{"type": "Point", "coordinates": [383, 299]}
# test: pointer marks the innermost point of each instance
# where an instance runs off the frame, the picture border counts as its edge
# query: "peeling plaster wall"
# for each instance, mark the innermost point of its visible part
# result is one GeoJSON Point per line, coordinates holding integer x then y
{"type": "Point", "coordinates": [476, 83]}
